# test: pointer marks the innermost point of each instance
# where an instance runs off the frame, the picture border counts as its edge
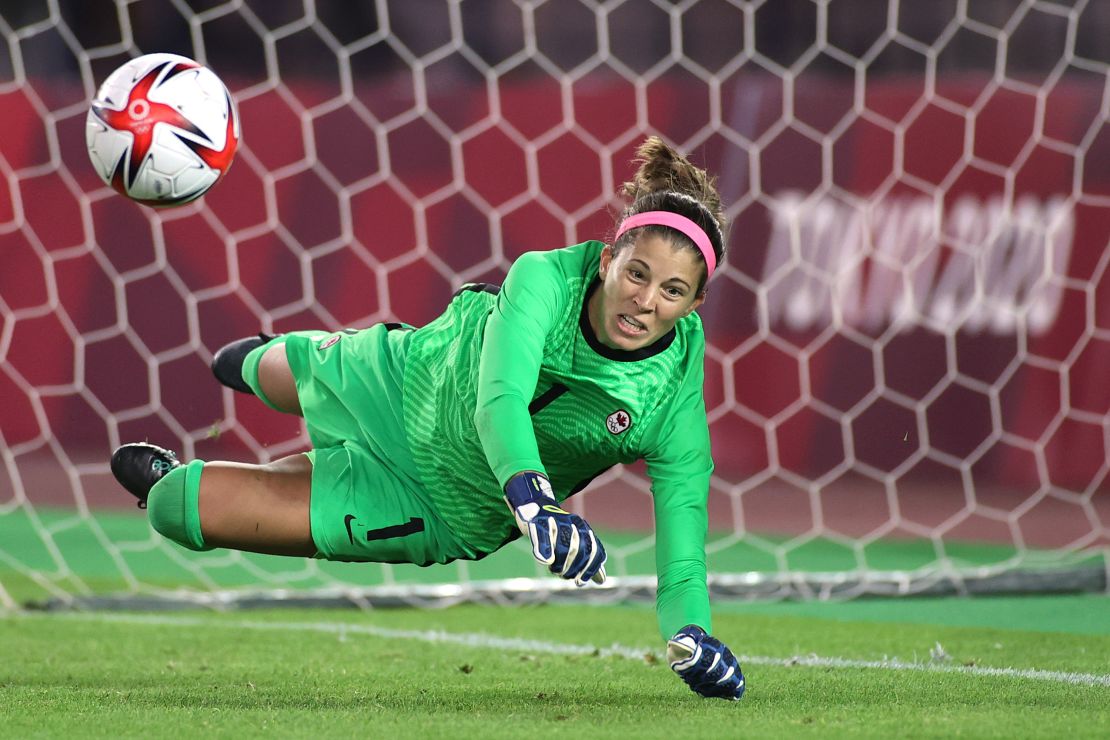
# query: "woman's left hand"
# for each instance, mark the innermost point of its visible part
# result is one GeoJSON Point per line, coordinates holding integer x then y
{"type": "Point", "coordinates": [707, 666]}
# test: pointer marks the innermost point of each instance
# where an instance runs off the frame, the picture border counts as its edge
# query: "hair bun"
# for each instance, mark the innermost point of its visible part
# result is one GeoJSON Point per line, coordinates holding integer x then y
{"type": "Point", "coordinates": [662, 168]}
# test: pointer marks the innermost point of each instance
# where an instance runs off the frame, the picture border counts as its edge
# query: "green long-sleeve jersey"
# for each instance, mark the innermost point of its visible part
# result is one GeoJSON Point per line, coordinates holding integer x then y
{"type": "Point", "coordinates": [512, 380]}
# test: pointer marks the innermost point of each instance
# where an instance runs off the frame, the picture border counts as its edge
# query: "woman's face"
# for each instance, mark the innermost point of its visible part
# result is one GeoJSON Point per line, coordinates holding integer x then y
{"type": "Point", "coordinates": [645, 289]}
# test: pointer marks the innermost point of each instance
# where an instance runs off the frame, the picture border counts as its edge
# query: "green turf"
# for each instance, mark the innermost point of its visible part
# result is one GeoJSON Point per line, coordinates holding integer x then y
{"type": "Point", "coordinates": [1083, 614]}
{"type": "Point", "coordinates": [93, 675]}
{"type": "Point", "coordinates": [81, 676]}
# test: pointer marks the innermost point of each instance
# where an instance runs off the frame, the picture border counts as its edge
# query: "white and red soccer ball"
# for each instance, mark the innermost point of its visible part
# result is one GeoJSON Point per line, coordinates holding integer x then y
{"type": "Point", "coordinates": [162, 130]}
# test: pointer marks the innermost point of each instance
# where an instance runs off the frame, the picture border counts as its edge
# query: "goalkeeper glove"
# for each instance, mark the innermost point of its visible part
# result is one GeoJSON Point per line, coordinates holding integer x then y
{"type": "Point", "coordinates": [560, 540]}
{"type": "Point", "coordinates": [708, 667]}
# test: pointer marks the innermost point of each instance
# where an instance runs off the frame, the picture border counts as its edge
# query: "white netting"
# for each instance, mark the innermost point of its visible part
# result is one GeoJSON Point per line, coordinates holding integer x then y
{"type": "Point", "coordinates": [906, 376]}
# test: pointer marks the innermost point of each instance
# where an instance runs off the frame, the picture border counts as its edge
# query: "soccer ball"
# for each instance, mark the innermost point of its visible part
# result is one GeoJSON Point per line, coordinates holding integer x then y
{"type": "Point", "coordinates": [162, 130]}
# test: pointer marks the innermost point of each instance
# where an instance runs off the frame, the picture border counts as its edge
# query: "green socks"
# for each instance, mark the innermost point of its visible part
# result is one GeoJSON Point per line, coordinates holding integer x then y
{"type": "Point", "coordinates": [173, 506]}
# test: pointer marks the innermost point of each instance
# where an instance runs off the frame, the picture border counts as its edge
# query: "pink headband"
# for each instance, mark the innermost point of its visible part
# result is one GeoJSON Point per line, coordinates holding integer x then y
{"type": "Point", "coordinates": [679, 223]}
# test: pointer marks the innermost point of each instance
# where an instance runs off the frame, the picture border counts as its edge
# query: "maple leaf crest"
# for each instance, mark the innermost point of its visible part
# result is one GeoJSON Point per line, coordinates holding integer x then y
{"type": "Point", "coordinates": [618, 421]}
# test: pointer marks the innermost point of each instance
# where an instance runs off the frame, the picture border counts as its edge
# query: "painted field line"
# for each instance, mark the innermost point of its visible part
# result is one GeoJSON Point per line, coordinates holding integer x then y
{"type": "Point", "coordinates": [525, 645]}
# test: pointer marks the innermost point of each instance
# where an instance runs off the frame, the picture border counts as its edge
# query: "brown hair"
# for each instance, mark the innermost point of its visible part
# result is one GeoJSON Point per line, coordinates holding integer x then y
{"type": "Point", "coordinates": [666, 181]}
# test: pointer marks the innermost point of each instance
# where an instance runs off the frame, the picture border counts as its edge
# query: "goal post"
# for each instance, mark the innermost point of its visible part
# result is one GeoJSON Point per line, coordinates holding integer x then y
{"type": "Point", "coordinates": [907, 345]}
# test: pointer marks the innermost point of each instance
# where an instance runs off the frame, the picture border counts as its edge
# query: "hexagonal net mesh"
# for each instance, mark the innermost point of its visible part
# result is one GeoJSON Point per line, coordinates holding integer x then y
{"type": "Point", "coordinates": [906, 375]}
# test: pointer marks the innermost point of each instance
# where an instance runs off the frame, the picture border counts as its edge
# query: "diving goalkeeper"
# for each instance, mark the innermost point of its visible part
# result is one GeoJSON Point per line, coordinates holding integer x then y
{"type": "Point", "coordinates": [447, 441]}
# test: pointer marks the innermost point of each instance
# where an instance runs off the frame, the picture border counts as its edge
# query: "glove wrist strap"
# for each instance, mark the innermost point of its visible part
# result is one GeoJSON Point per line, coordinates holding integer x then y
{"type": "Point", "coordinates": [527, 488]}
{"type": "Point", "coordinates": [691, 630]}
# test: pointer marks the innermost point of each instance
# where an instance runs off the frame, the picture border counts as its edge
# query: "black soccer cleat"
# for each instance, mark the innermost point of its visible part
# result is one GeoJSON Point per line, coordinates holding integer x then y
{"type": "Point", "coordinates": [139, 465]}
{"type": "Point", "coordinates": [227, 364]}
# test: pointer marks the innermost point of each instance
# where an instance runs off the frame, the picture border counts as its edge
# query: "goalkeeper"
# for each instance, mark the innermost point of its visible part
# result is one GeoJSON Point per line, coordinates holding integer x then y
{"type": "Point", "coordinates": [447, 441]}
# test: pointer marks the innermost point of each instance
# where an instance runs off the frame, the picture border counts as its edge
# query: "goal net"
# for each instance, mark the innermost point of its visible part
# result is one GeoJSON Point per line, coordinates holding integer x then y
{"type": "Point", "coordinates": [907, 371]}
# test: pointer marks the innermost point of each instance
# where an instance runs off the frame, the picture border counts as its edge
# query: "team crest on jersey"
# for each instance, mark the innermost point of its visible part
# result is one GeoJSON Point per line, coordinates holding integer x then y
{"type": "Point", "coordinates": [618, 421]}
{"type": "Point", "coordinates": [329, 341]}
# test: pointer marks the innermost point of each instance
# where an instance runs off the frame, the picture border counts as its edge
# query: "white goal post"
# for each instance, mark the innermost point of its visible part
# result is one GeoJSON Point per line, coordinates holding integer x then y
{"type": "Point", "coordinates": [906, 372]}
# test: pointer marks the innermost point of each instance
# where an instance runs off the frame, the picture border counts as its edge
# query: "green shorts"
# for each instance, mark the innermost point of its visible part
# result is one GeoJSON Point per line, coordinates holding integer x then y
{"type": "Point", "coordinates": [367, 503]}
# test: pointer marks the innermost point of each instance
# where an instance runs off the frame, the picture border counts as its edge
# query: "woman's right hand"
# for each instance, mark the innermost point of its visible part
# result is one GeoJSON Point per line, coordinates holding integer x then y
{"type": "Point", "coordinates": [562, 541]}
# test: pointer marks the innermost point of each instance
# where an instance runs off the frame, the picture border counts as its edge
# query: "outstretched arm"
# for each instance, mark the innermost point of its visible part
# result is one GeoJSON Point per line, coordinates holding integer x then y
{"type": "Point", "coordinates": [680, 464]}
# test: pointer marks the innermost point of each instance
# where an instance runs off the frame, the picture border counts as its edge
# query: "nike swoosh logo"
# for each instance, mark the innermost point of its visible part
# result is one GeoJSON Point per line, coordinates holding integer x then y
{"type": "Point", "coordinates": [347, 523]}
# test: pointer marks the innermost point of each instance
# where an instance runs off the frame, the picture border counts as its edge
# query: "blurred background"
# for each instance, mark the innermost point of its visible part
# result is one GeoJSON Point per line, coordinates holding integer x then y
{"type": "Point", "coordinates": [909, 343]}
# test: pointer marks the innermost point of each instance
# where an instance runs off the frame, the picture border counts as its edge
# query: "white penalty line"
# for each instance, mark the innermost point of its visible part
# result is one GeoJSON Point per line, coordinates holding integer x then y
{"type": "Point", "coordinates": [525, 645]}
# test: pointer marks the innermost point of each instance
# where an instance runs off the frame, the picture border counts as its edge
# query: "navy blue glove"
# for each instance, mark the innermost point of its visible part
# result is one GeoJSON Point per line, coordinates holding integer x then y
{"type": "Point", "coordinates": [560, 540]}
{"type": "Point", "coordinates": [708, 667]}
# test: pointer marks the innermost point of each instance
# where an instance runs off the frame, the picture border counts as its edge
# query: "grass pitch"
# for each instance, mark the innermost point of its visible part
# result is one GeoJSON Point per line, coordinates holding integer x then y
{"type": "Point", "coordinates": [864, 668]}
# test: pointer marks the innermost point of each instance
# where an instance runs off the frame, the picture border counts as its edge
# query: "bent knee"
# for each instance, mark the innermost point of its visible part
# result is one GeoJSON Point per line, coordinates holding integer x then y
{"type": "Point", "coordinates": [275, 380]}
